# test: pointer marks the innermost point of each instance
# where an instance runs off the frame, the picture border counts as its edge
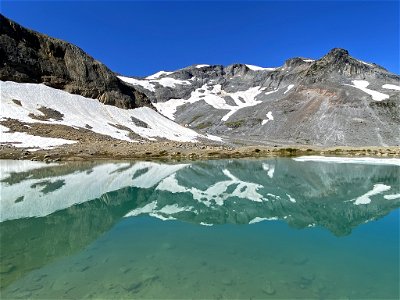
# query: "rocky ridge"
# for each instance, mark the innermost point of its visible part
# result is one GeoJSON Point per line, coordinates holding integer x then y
{"type": "Point", "coordinates": [31, 57]}
{"type": "Point", "coordinates": [333, 101]}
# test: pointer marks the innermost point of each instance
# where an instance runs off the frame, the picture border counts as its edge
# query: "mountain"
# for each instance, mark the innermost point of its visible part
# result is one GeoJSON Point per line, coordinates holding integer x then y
{"type": "Point", "coordinates": [52, 94]}
{"type": "Point", "coordinates": [31, 57]}
{"type": "Point", "coordinates": [337, 100]}
{"type": "Point", "coordinates": [333, 101]}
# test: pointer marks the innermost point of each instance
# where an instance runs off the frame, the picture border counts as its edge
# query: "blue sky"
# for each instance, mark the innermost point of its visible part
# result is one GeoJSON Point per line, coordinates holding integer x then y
{"type": "Point", "coordinates": [141, 38]}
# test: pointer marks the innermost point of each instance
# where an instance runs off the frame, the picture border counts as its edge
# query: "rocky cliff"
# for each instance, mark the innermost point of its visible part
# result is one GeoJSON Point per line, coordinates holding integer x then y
{"type": "Point", "coordinates": [29, 56]}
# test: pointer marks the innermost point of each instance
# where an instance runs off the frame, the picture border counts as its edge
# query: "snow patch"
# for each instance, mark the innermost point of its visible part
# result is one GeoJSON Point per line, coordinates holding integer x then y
{"type": "Point", "coordinates": [24, 140]}
{"type": "Point", "coordinates": [391, 87]}
{"type": "Point", "coordinates": [169, 107]}
{"type": "Point", "coordinates": [213, 97]}
{"type": "Point", "coordinates": [362, 85]}
{"type": "Point", "coordinates": [158, 74]}
{"type": "Point", "coordinates": [141, 82]}
{"type": "Point", "coordinates": [257, 68]}
{"type": "Point", "coordinates": [290, 86]}
{"type": "Point", "coordinates": [269, 116]}
{"type": "Point", "coordinates": [201, 66]}
{"type": "Point", "coordinates": [171, 82]}
{"type": "Point", "coordinates": [213, 138]}
{"type": "Point", "coordinates": [365, 63]}
{"type": "Point", "coordinates": [149, 82]}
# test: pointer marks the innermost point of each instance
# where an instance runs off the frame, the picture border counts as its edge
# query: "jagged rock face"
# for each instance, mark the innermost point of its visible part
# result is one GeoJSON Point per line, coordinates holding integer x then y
{"type": "Point", "coordinates": [28, 56]}
{"type": "Point", "coordinates": [334, 101]}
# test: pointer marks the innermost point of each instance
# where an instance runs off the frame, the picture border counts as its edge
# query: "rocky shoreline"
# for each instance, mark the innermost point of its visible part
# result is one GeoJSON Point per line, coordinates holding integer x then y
{"type": "Point", "coordinates": [177, 151]}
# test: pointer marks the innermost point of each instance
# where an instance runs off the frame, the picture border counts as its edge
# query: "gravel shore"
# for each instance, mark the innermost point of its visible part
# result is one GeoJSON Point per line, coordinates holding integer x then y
{"type": "Point", "coordinates": [168, 150]}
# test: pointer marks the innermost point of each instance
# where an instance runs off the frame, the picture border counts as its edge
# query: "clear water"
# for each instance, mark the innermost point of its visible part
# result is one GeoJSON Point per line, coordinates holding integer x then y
{"type": "Point", "coordinates": [150, 230]}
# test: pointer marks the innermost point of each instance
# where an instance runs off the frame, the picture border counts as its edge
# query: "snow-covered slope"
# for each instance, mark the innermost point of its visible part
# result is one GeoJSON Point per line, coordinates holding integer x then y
{"type": "Point", "coordinates": [21, 101]}
{"type": "Point", "coordinates": [24, 140]}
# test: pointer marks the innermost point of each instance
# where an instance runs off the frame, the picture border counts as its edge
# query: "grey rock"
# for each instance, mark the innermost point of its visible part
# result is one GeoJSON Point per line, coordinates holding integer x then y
{"type": "Point", "coordinates": [29, 56]}
{"type": "Point", "coordinates": [321, 109]}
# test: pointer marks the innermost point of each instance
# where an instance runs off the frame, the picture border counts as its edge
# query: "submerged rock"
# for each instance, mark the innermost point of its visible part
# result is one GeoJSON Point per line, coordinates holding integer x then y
{"type": "Point", "coordinates": [268, 288]}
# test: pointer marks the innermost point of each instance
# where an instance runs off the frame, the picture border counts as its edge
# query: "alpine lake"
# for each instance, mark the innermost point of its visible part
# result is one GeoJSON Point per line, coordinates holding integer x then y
{"type": "Point", "coordinates": [277, 228]}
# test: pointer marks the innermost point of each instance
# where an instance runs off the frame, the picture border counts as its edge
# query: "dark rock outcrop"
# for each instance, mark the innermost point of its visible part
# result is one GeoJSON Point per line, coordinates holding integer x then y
{"type": "Point", "coordinates": [29, 56]}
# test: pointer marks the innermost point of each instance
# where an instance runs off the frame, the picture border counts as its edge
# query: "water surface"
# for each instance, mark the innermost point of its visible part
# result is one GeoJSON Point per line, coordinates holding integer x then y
{"type": "Point", "coordinates": [275, 228]}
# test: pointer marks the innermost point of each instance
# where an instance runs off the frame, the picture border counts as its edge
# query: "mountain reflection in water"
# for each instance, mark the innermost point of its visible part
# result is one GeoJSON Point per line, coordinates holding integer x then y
{"type": "Point", "coordinates": [49, 212]}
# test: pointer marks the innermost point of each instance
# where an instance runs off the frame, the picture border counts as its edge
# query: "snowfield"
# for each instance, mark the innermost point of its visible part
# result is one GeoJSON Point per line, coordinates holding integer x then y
{"type": "Point", "coordinates": [143, 83]}
{"type": "Point", "coordinates": [391, 87]}
{"type": "Point", "coordinates": [24, 140]}
{"type": "Point", "coordinates": [362, 85]}
{"type": "Point", "coordinates": [257, 68]}
{"type": "Point", "coordinates": [201, 66]}
{"type": "Point", "coordinates": [156, 75]}
{"type": "Point", "coordinates": [213, 97]}
{"type": "Point", "coordinates": [81, 112]}
{"type": "Point", "coordinates": [149, 82]}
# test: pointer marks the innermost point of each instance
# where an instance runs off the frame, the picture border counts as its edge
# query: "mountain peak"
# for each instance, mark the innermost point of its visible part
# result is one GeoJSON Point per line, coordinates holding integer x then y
{"type": "Point", "coordinates": [336, 56]}
{"type": "Point", "coordinates": [338, 52]}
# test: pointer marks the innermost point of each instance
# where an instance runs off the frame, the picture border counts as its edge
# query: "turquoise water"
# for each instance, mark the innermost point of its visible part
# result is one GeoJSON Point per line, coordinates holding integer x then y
{"type": "Point", "coordinates": [224, 229]}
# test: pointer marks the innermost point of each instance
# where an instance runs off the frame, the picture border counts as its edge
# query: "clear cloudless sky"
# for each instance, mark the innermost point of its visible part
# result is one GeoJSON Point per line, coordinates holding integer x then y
{"type": "Point", "coordinates": [142, 37]}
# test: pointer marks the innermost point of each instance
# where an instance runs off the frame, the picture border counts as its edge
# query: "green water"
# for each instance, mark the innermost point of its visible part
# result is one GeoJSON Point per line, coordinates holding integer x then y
{"type": "Point", "coordinates": [224, 229]}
